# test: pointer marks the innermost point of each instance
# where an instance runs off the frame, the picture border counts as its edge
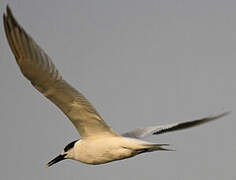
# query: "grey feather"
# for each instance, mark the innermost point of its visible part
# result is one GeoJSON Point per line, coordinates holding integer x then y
{"type": "Point", "coordinates": [39, 69]}
{"type": "Point", "coordinates": [155, 130]}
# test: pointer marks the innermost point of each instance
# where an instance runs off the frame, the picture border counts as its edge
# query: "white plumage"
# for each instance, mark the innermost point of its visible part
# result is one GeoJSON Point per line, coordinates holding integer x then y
{"type": "Point", "coordinates": [99, 144]}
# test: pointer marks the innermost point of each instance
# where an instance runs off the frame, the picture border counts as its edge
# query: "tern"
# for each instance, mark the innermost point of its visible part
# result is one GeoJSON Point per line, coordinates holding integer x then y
{"type": "Point", "coordinates": [99, 143]}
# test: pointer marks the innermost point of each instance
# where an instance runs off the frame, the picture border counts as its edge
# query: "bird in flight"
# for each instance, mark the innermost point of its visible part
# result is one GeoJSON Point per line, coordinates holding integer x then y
{"type": "Point", "coordinates": [99, 143]}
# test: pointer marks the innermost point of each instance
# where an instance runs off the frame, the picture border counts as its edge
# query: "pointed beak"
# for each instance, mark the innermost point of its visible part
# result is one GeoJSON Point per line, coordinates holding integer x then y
{"type": "Point", "coordinates": [56, 160]}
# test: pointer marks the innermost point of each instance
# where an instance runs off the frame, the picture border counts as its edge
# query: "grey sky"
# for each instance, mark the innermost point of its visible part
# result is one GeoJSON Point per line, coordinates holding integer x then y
{"type": "Point", "coordinates": [140, 63]}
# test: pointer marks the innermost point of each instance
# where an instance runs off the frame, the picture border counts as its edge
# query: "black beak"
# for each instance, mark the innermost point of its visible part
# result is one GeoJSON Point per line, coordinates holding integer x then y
{"type": "Point", "coordinates": [55, 160]}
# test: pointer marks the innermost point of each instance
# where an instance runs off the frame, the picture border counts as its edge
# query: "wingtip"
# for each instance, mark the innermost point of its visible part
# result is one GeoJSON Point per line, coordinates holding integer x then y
{"type": "Point", "coordinates": [5, 13]}
{"type": "Point", "coordinates": [226, 113]}
{"type": "Point", "coordinates": [10, 17]}
{"type": "Point", "coordinates": [8, 9]}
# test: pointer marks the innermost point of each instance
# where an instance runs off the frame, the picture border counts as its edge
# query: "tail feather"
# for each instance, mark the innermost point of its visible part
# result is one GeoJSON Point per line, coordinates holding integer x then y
{"type": "Point", "coordinates": [155, 147]}
{"type": "Point", "coordinates": [165, 149]}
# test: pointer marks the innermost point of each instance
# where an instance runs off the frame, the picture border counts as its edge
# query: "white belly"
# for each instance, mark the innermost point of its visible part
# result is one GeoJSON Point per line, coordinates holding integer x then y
{"type": "Point", "coordinates": [103, 150]}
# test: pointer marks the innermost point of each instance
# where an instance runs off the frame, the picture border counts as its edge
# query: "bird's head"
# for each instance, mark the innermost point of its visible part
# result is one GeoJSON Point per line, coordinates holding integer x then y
{"type": "Point", "coordinates": [67, 153]}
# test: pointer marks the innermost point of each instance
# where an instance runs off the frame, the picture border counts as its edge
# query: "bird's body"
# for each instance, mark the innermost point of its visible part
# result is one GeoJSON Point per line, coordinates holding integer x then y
{"type": "Point", "coordinates": [100, 150]}
{"type": "Point", "coordinates": [99, 144]}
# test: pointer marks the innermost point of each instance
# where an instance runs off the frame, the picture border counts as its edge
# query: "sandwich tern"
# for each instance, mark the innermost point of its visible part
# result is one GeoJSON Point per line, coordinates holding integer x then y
{"type": "Point", "coordinates": [99, 143]}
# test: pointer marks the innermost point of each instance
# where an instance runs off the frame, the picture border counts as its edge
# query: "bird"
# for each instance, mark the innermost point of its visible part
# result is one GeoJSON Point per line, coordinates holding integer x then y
{"type": "Point", "coordinates": [99, 143]}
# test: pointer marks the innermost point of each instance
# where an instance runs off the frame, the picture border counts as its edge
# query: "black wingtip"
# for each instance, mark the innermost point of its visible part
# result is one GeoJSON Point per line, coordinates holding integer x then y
{"type": "Point", "coordinates": [8, 9]}
{"type": "Point", "coordinates": [10, 16]}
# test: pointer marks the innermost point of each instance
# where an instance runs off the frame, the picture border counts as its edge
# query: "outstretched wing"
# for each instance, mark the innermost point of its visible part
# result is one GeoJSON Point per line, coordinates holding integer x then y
{"type": "Point", "coordinates": [155, 130]}
{"type": "Point", "coordinates": [37, 67]}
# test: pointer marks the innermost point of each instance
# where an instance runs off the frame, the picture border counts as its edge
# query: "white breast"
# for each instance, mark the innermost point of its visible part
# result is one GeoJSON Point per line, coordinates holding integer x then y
{"type": "Point", "coordinates": [105, 149]}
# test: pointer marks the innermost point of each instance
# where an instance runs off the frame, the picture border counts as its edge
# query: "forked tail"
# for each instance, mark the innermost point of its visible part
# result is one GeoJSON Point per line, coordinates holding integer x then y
{"type": "Point", "coordinates": [154, 147]}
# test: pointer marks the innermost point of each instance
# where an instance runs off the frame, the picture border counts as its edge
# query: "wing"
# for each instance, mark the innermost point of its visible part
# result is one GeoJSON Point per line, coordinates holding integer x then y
{"type": "Point", "coordinates": [37, 67]}
{"type": "Point", "coordinates": [155, 130]}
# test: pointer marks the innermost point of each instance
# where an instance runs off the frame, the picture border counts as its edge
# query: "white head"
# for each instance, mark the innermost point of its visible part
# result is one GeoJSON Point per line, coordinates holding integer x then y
{"type": "Point", "coordinates": [67, 153]}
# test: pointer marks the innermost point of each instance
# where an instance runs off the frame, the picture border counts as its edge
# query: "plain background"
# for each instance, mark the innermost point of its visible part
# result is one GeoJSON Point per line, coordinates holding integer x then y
{"type": "Point", "coordinates": [140, 63]}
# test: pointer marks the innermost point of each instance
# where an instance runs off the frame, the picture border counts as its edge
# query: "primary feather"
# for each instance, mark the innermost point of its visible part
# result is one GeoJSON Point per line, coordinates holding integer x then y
{"type": "Point", "coordinates": [155, 130]}
{"type": "Point", "coordinates": [39, 69]}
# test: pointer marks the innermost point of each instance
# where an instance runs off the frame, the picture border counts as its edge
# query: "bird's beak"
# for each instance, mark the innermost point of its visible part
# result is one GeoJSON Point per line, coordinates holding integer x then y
{"type": "Point", "coordinates": [55, 160]}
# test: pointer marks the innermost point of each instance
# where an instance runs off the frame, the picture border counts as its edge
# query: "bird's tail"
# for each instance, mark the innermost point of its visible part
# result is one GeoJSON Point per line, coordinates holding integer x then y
{"type": "Point", "coordinates": [155, 147]}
